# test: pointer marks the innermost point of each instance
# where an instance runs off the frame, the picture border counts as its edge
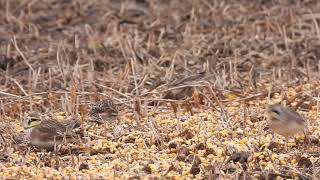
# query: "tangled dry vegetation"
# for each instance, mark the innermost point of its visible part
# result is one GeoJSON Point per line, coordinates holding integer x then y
{"type": "Point", "coordinates": [191, 81]}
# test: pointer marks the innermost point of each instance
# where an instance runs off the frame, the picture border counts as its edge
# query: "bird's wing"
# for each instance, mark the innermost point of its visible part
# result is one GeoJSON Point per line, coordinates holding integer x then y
{"type": "Point", "coordinates": [72, 123]}
{"type": "Point", "coordinates": [102, 106]}
{"type": "Point", "coordinates": [296, 117]}
{"type": "Point", "coordinates": [52, 127]}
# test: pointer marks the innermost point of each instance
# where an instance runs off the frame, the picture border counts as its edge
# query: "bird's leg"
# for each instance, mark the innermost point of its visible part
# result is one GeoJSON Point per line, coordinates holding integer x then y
{"type": "Point", "coordinates": [273, 139]}
{"type": "Point", "coordinates": [306, 137]}
{"type": "Point", "coordinates": [286, 146]}
{"type": "Point", "coordinates": [273, 136]}
{"type": "Point", "coordinates": [179, 125]}
{"type": "Point", "coordinates": [175, 108]}
{"type": "Point", "coordinates": [307, 140]}
{"type": "Point", "coordinates": [188, 106]}
{"type": "Point", "coordinates": [55, 144]}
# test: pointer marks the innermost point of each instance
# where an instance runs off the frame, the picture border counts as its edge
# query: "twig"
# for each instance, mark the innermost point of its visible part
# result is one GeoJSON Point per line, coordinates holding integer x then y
{"type": "Point", "coordinates": [250, 97]}
{"type": "Point", "coordinates": [9, 94]}
{"type": "Point", "coordinates": [216, 98]}
{"type": "Point", "coordinates": [21, 54]}
{"type": "Point", "coordinates": [3, 139]}
{"type": "Point", "coordinates": [184, 86]}
{"type": "Point", "coordinates": [209, 101]}
{"type": "Point", "coordinates": [113, 90]}
{"type": "Point", "coordinates": [134, 78]}
{"type": "Point", "coordinates": [60, 65]}
{"type": "Point", "coordinates": [302, 176]}
{"type": "Point", "coordinates": [20, 87]}
{"type": "Point", "coordinates": [222, 112]}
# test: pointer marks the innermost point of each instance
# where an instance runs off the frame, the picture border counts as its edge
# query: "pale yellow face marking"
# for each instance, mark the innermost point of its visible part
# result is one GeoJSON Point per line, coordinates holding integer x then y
{"type": "Point", "coordinates": [33, 122]}
{"type": "Point", "coordinates": [273, 116]}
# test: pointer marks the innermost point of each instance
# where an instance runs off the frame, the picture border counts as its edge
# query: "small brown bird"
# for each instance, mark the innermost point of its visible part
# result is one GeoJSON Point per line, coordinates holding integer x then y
{"type": "Point", "coordinates": [46, 133]}
{"type": "Point", "coordinates": [106, 107]}
{"type": "Point", "coordinates": [285, 121]}
{"type": "Point", "coordinates": [182, 88]}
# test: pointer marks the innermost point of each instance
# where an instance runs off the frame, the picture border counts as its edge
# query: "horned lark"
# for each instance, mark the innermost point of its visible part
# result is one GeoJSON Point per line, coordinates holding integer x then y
{"type": "Point", "coordinates": [102, 110]}
{"type": "Point", "coordinates": [45, 133]}
{"type": "Point", "coordinates": [285, 121]}
{"type": "Point", "coordinates": [182, 88]}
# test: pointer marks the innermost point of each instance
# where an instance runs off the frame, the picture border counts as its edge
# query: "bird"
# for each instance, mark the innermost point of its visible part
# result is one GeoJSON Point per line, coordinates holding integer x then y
{"type": "Point", "coordinates": [182, 87]}
{"type": "Point", "coordinates": [45, 132]}
{"type": "Point", "coordinates": [106, 107]}
{"type": "Point", "coordinates": [286, 122]}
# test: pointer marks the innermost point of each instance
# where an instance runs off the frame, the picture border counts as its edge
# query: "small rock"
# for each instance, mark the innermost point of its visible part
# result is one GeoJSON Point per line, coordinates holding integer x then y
{"type": "Point", "coordinates": [147, 169]}
{"type": "Point", "coordinates": [195, 169]}
{"type": "Point", "coordinates": [200, 146]}
{"type": "Point", "coordinates": [186, 134]}
{"type": "Point", "coordinates": [241, 157]}
{"type": "Point", "coordinates": [195, 160]}
{"type": "Point", "coordinates": [83, 166]}
{"type": "Point", "coordinates": [304, 162]}
{"type": "Point", "coordinates": [182, 153]}
{"type": "Point", "coordinates": [239, 131]}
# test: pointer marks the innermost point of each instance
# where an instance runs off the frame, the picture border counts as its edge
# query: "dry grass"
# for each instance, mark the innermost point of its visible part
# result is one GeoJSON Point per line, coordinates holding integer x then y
{"type": "Point", "coordinates": [222, 61]}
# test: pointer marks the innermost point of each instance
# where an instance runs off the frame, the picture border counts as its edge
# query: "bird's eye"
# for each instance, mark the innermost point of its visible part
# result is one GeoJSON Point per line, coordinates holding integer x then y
{"type": "Point", "coordinates": [275, 111]}
{"type": "Point", "coordinates": [33, 119]}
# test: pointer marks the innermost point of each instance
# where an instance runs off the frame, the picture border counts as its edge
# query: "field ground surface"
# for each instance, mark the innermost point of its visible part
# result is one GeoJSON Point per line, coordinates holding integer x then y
{"type": "Point", "coordinates": [191, 81]}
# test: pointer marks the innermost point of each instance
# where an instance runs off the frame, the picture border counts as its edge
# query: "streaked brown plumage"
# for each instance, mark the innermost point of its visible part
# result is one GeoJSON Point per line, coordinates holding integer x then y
{"type": "Point", "coordinates": [106, 107]}
{"type": "Point", "coordinates": [45, 133]}
{"type": "Point", "coordinates": [175, 92]}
